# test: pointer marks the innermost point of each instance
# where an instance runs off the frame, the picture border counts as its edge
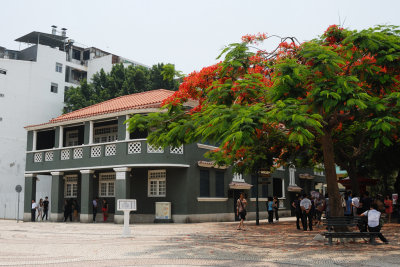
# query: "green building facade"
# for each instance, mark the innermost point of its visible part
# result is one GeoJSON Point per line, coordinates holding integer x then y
{"type": "Point", "coordinates": [89, 154]}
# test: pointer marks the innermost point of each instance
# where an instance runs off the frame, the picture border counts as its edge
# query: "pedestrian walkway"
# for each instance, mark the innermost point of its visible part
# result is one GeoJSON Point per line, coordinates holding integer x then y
{"type": "Point", "coordinates": [201, 244]}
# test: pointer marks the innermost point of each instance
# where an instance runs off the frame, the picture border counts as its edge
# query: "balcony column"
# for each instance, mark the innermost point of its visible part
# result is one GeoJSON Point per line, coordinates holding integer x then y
{"type": "Point", "coordinates": [90, 132]}
{"type": "Point", "coordinates": [61, 137]}
{"type": "Point", "coordinates": [283, 188]}
{"type": "Point", "coordinates": [57, 197]}
{"type": "Point", "coordinates": [86, 196]}
{"type": "Point", "coordinates": [29, 194]}
{"type": "Point", "coordinates": [127, 134]}
{"type": "Point", "coordinates": [122, 190]}
{"type": "Point", "coordinates": [34, 141]}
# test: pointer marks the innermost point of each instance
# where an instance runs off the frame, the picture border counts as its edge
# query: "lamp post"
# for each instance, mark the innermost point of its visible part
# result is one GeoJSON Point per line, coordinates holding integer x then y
{"type": "Point", "coordinates": [257, 208]}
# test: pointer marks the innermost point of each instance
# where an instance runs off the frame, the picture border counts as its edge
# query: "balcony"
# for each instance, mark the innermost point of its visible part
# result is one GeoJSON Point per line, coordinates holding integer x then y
{"type": "Point", "coordinates": [103, 155]}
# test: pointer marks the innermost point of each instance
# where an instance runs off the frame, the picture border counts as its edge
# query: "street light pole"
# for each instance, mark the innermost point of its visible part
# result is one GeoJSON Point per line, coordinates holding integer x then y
{"type": "Point", "coordinates": [257, 208]}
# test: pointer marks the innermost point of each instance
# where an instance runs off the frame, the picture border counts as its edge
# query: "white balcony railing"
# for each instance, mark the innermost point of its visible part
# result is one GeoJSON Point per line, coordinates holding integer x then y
{"type": "Point", "coordinates": [96, 150]}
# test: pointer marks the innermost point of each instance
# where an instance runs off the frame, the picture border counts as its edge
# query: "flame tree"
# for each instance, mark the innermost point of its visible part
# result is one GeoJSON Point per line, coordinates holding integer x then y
{"type": "Point", "coordinates": [260, 107]}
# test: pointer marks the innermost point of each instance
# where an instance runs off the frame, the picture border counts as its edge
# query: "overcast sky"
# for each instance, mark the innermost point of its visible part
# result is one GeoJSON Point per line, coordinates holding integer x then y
{"type": "Point", "coordinates": [189, 34]}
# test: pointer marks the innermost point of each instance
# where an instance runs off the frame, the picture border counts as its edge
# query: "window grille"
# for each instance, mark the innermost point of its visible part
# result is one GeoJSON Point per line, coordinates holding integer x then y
{"type": "Point", "coordinates": [152, 149]}
{"type": "Point", "coordinates": [95, 151]}
{"type": "Point", "coordinates": [49, 156]}
{"type": "Point", "coordinates": [157, 183]}
{"type": "Point", "coordinates": [65, 154]}
{"type": "Point", "coordinates": [105, 134]}
{"type": "Point", "coordinates": [72, 138]}
{"type": "Point", "coordinates": [110, 150]}
{"type": "Point", "coordinates": [176, 150]}
{"type": "Point", "coordinates": [38, 157]}
{"type": "Point", "coordinates": [78, 153]}
{"type": "Point", "coordinates": [134, 148]}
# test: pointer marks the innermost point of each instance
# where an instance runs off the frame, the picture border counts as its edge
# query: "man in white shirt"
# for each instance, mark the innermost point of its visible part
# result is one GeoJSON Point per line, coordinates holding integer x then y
{"type": "Point", "coordinates": [305, 205]}
{"type": "Point", "coordinates": [33, 210]}
{"type": "Point", "coordinates": [373, 221]}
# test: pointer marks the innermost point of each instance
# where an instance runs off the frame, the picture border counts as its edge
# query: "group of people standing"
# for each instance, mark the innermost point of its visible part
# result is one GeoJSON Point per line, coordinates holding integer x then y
{"type": "Point", "coordinates": [309, 209]}
{"type": "Point", "coordinates": [42, 209]}
{"type": "Point", "coordinates": [71, 209]}
{"type": "Point", "coordinates": [104, 208]}
{"type": "Point", "coordinates": [353, 205]}
{"type": "Point", "coordinates": [241, 205]}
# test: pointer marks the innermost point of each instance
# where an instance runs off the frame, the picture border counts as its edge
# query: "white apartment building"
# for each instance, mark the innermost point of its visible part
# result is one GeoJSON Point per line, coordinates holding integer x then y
{"type": "Point", "coordinates": [32, 86]}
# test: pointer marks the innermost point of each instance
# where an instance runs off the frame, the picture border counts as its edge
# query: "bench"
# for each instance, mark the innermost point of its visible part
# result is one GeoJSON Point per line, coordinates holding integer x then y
{"type": "Point", "coordinates": [346, 221]}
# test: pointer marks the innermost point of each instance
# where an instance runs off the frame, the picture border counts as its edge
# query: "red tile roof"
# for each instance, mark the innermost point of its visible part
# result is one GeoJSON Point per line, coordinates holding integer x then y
{"type": "Point", "coordinates": [149, 99]}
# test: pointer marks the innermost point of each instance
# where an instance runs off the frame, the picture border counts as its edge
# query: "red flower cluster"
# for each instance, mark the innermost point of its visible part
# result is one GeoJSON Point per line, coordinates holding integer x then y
{"type": "Point", "coordinates": [334, 34]}
{"type": "Point", "coordinates": [254, 38]}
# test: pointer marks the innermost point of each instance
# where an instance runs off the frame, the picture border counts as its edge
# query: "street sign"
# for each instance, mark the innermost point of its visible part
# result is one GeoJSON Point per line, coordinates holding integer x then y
{"type": "Point", "coordinates": [18, 189]}
{"type": "Point", "coordinates": [126, 205]}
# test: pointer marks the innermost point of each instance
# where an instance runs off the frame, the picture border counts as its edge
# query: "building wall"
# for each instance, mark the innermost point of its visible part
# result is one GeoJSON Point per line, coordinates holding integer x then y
{"type": "Point", "coordinates": [96, 64]}
{"type": "Point", "coordinates": [27, 100]}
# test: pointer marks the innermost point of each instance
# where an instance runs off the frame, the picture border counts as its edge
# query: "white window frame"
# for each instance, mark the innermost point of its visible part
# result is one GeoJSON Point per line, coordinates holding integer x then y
{"type": "Point", "coordinates": [74, 140]}
{"type": "Point", "coordinates": [71, 180]}
{"type": "Point", "coordinates": [107, 179]}
{"type": "Point", "coordinates": [55, 85]}
{"type": "Point", "coordinates": [106, 137]}
{"type": "Point", "coordinates": [156, 178]}
{"type": "Point", "coordinates": [59, 67]}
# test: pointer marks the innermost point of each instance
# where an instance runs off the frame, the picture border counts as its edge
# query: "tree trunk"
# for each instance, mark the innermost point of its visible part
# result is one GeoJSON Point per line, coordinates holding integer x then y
{"type": "Point", "coordinates": [330, 175]}
{"type": "Point", "coordinates": [385, 188]}
{"type": "Point", "coordinates": [352, 172]}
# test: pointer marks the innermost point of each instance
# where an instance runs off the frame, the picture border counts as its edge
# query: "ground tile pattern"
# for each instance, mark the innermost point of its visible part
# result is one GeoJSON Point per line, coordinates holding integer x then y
{"type": "Point", "coordinates": [204, 244]}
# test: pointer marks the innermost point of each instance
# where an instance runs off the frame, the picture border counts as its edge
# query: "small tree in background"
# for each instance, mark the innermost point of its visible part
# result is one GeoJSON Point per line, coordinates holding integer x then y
{"type": "Point", "coordinates": [121, 81]}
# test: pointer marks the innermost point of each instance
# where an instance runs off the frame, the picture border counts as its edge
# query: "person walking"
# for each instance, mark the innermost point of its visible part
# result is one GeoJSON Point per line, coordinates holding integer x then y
{"type": "Point", "coordinates": [388, 207]}
{"type": "Point", "coordinates": [270, 209]}
{"type": "Point", "coordinates": [373, 221]}
{"type": "Point", "coordinates": [45, 208]}
{"type": "Point", "coordinates": [276, 208]}
{"type": "Point", "coordinates": [40, 210]}
{"type": "Point", "coordinates": [297, 210]}
{"type": "Point", "coordinates": [95, 204]}
{"type": "Point", "coordinates": [104, 209]}
{"type": "Point", "coordinates": [241, 205]}
{"type": "Point", "coordinates": [33, 210]}
{"type": "Point", "coordinates": [305, 205]}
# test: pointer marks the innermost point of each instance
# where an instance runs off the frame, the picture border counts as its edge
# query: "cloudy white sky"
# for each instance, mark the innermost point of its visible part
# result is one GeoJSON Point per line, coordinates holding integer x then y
{"type": "Point", "coordinates": [188, 33]}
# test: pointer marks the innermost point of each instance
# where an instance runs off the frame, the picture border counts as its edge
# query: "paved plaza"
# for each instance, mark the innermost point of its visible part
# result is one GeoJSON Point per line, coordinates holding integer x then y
{"type": "Point", "coordinates": [202, 244]}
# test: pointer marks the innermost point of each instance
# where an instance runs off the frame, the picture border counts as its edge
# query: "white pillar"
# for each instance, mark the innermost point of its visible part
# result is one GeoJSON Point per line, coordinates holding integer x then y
{"type": "Point", "coordinates": [90, 132]}
{"type": "Point", "coordinates": [34, 140]}
{"type": "Point", "coordinates": [292, 180]}
{"type": "Point", "coordinates": [126, 127]}
{"type": "Point", "coordinates": [61, 137]}
{"type": "Point", "coordinates": [283, 187]}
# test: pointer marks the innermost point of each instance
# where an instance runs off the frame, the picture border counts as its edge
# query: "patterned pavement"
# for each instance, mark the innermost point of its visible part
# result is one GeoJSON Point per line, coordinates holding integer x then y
{"type": "Point", "coordinates": [202, 244]}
